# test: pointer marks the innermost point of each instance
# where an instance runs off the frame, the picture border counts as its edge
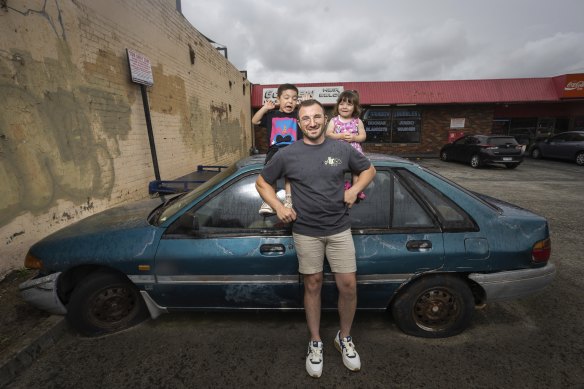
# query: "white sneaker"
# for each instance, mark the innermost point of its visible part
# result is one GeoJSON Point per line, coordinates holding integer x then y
{"type": "Point", "coordinates": [265, 209]}
{"type": "Point", "coordinates": [351, 358]}
{"type": "Point", "coordinates": [314, 359]}
{"type": "Point", "coordinates": [288, 201]}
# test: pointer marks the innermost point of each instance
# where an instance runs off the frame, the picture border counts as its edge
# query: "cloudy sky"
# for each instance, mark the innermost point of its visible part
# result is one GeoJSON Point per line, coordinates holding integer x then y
{"type": "Point", "coordinates": [386, 40]}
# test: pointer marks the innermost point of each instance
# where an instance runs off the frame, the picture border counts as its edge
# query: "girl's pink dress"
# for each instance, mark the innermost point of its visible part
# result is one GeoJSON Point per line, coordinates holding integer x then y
{"type": "Point", "coordinates": [351, 127]}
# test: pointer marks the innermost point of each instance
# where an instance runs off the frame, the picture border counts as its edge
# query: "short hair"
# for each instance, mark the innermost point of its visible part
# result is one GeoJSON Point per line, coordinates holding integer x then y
{"type": "Point", "coordinates": [285, 87]}
{"type": "Point", "coordinates": [308, 103]}
{"type": "Point", "coordinates": [352, 97]}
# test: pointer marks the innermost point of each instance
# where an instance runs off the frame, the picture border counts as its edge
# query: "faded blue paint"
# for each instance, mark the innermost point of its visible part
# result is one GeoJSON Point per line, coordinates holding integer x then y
{"type": "Point", "coordinates": [245, 270]}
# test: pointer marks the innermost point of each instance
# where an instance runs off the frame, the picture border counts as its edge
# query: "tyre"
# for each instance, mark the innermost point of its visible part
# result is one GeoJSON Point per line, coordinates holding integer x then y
{"type": "Point", "coordinates": [444, 156]}
{"type": "Point", "coordinates": [434, 307]}
{"type": "Point", "coordinates": [511, 165]}
{"type": "Point", "coordinates": [580, 158]}
{"type": "Point", "coordinates": [103, 303]}
{"type": "Point", "coordinates": [475, 161]}
{"type": "Point", "coordinates": [535, 153]}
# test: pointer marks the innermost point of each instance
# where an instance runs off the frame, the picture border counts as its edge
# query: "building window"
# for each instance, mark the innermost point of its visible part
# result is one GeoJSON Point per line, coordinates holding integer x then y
{"type": "Point", "coordinates": [398, 125]}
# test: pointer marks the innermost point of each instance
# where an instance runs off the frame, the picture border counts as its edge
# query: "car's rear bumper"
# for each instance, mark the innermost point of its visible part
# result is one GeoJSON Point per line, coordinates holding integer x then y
{"type": "Point", "coordinates": [501, 159]}
{"type": "Point", "coordinates": [507, 285]}
{"type": "Point", "coordinates": [42, 293]}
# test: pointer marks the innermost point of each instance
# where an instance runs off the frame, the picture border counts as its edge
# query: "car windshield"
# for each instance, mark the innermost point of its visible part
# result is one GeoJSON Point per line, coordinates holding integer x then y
{"type": "Point", "coordinates": [173, 205]}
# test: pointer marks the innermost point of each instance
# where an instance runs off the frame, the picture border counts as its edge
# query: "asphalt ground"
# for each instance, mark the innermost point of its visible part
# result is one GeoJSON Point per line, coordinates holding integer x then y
{"type": "Point", "coordinates": [530, 343]}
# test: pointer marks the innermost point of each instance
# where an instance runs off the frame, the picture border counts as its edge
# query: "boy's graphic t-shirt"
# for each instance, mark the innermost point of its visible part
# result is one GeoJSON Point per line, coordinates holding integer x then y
{"type": "Point", "coordinates": [282, 128]}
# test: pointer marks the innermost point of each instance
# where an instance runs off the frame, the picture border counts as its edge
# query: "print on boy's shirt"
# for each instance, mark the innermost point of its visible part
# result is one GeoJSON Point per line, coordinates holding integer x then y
{"type": "Point", "coordinates": [284, 131]}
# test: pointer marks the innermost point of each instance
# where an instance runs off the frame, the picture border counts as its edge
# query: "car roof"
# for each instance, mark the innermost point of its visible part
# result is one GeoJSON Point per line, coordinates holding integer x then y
{"type": "Point", "coordinates": [373, 157]}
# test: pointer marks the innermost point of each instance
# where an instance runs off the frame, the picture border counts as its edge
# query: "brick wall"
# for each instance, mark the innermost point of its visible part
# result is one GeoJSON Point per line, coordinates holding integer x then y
{"type": "Point", "coordinates": [73, 137]}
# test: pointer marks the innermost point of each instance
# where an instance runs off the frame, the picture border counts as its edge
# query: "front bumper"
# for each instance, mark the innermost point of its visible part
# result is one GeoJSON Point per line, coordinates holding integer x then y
{"type": "Point", "coordinates": [42, 293]}
{"type": "Point", "coordinates": [507, 285]}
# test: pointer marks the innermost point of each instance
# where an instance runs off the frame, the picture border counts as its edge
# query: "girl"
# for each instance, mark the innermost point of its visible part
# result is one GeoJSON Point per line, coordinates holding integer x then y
{"type": "Point", "coordinates": [346, 125]}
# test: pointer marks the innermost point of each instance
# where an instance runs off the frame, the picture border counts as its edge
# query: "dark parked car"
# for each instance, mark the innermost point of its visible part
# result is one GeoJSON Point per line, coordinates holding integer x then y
{"type": "Point", "coordinates": [428, 251]}
{"type": "Point", "coordinates": [567, 145]}
{"type": "Point", "coordinates": [479, 150]}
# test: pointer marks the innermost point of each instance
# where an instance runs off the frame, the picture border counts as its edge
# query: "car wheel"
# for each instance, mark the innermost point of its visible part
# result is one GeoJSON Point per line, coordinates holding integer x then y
{"type": "Point", "coordinates": [475, 161]}
{"type": "Point", "coordinates": [511, 165]}
{"type": "Point", "coordinates": [103, 303]}
{"type": "Point", "coordinates": [444, 156]}
{"type": "Point", "coordinates": [580, 158]}
{"type": "Point", "coordinates": [434, 307]}
{"type": "Point", "coordinates": [535, 153]}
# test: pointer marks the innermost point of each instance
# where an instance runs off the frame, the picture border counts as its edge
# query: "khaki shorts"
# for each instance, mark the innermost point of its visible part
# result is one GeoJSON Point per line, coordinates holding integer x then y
{"type": "Point", "coordinates": [339, 249]}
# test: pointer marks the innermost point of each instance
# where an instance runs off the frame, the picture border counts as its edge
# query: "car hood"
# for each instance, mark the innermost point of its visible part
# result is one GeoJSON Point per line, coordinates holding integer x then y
{"type": "Point", "coordinates": [114, 235]}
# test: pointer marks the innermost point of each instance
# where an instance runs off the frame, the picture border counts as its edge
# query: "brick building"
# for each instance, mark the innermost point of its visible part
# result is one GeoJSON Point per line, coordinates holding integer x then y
{"type": "Point", "coordinates": [73, 131]}
{"type": "Point", "coordinates": [411, 118]}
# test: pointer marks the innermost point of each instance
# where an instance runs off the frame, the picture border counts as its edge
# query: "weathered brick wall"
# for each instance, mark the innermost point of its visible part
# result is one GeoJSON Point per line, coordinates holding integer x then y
{"type": "Point", "coordinates": [73, 137]}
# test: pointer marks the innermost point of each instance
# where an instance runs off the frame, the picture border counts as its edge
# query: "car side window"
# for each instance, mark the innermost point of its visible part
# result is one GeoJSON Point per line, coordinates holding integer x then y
{"type": "Point", "coordinates": [233, 210]}
{"type": "Point", "coordinates": [451, 216]}
{"type": "Point", "coordinates": [389, 205]}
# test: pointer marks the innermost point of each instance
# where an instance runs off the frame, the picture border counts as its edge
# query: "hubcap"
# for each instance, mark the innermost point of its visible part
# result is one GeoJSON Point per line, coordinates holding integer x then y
{"type": "Point", "coordinates": [436, 309]}
{"type": "Point", "coordinates": [113, 305]}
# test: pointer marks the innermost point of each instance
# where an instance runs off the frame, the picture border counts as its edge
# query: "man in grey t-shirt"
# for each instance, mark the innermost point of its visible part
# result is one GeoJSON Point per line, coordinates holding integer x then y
{"type": "Point", "coordinates": [315, 167]}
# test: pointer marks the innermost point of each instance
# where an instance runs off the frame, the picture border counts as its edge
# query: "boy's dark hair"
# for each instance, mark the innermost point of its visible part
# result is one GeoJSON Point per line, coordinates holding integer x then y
{"type": "Point", "coordinates": [352, 97]}
{"type": "Point", "coordinates": [285, 87]}
{"type": "Point", "coordinates": [308, 103]}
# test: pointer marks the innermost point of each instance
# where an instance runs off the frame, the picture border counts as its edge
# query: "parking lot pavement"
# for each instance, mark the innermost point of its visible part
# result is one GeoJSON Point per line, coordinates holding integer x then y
{"type": "Point", "coordinates": [530, 343]}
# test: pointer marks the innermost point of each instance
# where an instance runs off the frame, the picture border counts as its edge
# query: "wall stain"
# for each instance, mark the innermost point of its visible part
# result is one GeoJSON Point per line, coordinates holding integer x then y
{"type": "Point", "coordinates": [11, 237]}
{"type": "Point", "coordinates": [58, 140]}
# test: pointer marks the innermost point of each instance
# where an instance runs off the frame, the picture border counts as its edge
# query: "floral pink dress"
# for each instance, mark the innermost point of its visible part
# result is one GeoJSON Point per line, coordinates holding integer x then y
{"type": "Point", "coordinates": [351, 127]}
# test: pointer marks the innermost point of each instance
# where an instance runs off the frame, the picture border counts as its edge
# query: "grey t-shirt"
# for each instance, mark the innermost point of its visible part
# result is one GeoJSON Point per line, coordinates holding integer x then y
{"type": "Point", "coordinates": [316, 174]}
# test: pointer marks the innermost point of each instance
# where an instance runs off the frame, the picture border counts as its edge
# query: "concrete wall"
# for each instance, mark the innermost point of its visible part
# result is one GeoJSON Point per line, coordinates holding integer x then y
{"type": "Point", "coordinates": [73, 137]}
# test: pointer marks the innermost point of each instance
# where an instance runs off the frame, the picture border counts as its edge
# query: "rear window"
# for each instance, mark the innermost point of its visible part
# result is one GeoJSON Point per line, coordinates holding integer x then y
{"type": "Point", "coordinates": [502, 141]}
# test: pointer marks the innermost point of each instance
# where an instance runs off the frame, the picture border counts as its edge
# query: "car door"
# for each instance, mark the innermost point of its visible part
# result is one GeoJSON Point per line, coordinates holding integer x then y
{"type": "Point", "coordinates": [456, 151]}
{"type": "Point", "coordinates": [222, 254]}
{"type": "Point", "coordinates": [395, 238]}
{"type": "Point", "coordinates": [556, 147]}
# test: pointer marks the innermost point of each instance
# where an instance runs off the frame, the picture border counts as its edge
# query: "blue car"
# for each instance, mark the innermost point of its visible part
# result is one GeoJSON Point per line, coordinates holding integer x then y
{"type": "Point", "coordinates": [428, 251]}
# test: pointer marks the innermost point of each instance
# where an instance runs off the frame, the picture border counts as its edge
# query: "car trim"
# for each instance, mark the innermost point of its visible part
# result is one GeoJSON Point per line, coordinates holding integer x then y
{"type": "Point", "coordinates": [273, 279]}
{"type": "Point", "coordinates": [514, 284]}
{"type": "Point", "coordinates": [154, 309]}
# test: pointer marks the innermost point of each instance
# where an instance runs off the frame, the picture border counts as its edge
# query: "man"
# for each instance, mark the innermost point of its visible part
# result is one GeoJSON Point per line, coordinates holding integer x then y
{"type": "Point", "coordinates": [315, 167]}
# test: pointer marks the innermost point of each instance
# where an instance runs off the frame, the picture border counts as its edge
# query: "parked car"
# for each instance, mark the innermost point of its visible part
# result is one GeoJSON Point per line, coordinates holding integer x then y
{"type": "Point", "coordinates": [479, 150]}
{"type": "Point", "coordinates": [567, 145]}
{"type": "Point", "coordinates": [428, 251]}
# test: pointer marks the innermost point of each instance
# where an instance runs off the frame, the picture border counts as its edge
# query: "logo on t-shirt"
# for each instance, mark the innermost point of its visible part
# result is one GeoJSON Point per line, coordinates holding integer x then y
{"type": "Point", "coordinates": [284, 131]}
{"type": "Point", "coordinates": [330, 161]}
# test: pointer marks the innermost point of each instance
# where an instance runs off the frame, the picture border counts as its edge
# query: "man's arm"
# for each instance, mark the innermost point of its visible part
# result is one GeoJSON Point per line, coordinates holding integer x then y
{"type": "Point", "coordinates": [268, 194]}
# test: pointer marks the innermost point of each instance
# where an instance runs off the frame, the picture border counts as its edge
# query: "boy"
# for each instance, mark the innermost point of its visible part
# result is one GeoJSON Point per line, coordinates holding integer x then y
{"type": "Point", "coordinates": [282, 130]}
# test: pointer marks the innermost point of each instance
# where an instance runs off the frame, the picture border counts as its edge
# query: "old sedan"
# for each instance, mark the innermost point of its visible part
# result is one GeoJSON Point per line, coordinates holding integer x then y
{"type": "Point", "coordinates": [428, 251]}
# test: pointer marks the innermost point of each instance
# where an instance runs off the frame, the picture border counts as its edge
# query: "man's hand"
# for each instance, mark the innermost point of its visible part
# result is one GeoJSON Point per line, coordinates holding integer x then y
{"type": "Point", "coordinates": [286, 215]}
{"type": "Point", "coordinates": [351, 196]}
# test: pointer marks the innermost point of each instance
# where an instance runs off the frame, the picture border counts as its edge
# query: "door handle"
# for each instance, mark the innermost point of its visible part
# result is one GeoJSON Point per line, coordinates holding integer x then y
{"type": "Point", "coordinates": [271, 249]}
{"type": "Point", "coordinates": [419, 245]}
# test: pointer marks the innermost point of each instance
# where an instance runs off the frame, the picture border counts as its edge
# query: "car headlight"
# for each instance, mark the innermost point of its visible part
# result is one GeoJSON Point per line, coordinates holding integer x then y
{"type": "Point", "coordinates": [32, 262]}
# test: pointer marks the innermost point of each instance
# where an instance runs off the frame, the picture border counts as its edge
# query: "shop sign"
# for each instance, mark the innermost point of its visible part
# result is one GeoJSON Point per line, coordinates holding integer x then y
{"type": "Point", "coordinates": [574, 87]}
{"type": "Point", "coordinates": [324, 94]}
